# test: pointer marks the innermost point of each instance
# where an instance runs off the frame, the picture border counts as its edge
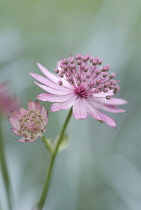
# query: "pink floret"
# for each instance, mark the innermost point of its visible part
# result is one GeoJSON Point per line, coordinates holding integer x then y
{"type": "Point", "coordinates": [7, 103]}
{"type": "Point", "coordinates": [29, 124]}
{"type": "Point", "coordinates": [81, 83]}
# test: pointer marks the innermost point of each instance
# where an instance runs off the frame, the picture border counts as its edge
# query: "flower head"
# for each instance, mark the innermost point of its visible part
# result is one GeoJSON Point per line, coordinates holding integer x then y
{"type": "Point", "coordinates": [29, 124]}
{"type": "Point", "coordinates": [7, 103]}
{"type": "Point", "coordinates": [83, 84]}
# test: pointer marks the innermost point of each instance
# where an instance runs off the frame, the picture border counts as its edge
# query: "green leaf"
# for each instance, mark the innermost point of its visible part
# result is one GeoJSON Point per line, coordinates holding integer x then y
{"type": "Point", "coordinates": [48, 144]}
{"type": "Point", "coordinates": [64, 143]}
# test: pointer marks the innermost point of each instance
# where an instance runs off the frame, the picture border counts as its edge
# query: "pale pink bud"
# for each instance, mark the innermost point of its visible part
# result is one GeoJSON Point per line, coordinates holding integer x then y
{"type": "Point", "coordinates": [29, 124]}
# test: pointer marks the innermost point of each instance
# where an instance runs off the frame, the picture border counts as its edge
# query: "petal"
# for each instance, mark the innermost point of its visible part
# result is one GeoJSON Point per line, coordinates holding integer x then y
{"type": "Point", "coordinates": [38, 105]}
{"type": "Point", "coordinates": [53, 98]}
{"type": "Point", "coordinates": [14, 122]}
{"type": "Point", "coordinates": [107, 119]}
{"type": "Point", "coordinates": [113, 109]}
{"type": "Point", "coordinates": [16, 132]}
{"type": "Point", "coordinates": [115, 101]}
{"type": "Point", "coordinates": [53, 77]}
{"type": "Point", "coordinates": [47, 82]}
{"type": "Point", "coordinates": [31, 105]}
{"type": "Point", "coordinates": [96, 102]}
{"type": "Point", "coordinates": [65, 105]}
{"type": "Point", "coordinates": [44, 80]}
{"type": "Point", "coordinates": [54, 91]}
{"type": "Point", "coordinates": [44, 112]}
{"type": "Point", "coordinates": [23, 111]}
{"type": "Point", "coordinates": [16, 114]}
{"type": "Point", "coordinates": [103, 95]}
{"type": "Point", "coordinates": [79, 111]}
{"type": "Point", "coordinates": [91, 110]}
{"type": "Point", "coordinates": [22, 140]}
{"type": "Point", "coordinates": [44, 115]}
{"type": "Point", "coordinates": [48, 74]}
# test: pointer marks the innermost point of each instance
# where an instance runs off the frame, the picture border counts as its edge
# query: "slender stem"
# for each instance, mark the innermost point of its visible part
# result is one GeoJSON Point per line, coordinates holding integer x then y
{"type": "Point", "coordinates": [53, 156]}
{"type": "Point", "coordinates": [5, 170]}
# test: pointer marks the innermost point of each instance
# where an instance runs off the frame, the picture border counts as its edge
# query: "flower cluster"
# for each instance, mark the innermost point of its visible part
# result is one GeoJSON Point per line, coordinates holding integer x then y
{"type": "Point", "coordinates": [29, 124]}
{"type": "Point", "coordinates": [83, 84]}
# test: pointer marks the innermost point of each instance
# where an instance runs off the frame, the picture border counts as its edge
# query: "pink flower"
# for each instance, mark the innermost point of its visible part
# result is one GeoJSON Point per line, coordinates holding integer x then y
{"type": "Point", "coordinates": [29, 124]}
{"type": "Point", "coordinates": [82, 84]}
{"type": "Point", "coordinates": [7, 103]}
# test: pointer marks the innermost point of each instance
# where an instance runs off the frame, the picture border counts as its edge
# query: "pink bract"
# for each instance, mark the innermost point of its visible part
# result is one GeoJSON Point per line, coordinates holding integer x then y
{"type": "Point", "coordinates": [29, 124]}
{"type": "Point", "coordinates": [7, 103]}
{"type": "Point", "coordinates": [81, 83]}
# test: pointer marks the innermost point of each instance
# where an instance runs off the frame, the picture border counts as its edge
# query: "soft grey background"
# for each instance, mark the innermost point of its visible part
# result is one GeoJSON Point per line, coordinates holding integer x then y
{"type": "Point", "coordinates": [101, 170]}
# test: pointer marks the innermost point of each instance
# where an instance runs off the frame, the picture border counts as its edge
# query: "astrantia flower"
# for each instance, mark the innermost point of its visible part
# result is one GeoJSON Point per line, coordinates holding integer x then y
{"type": "Point", "coordinates": [83, 84]}
{"type": "Point", "coordinates": [29, 124]}
{"type": "Point", "coordinates": [7, 103]}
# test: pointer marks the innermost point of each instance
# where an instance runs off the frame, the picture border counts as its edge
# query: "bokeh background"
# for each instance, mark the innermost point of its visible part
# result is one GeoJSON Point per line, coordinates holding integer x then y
{"type": "Point", "coordinates": [101, 169]}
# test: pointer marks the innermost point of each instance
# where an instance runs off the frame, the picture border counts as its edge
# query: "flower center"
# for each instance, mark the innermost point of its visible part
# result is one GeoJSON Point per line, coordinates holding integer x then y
{"type": "Point", "coordinates": [31, 123]}
{"type": "Point", "coordinates": [81, 91]}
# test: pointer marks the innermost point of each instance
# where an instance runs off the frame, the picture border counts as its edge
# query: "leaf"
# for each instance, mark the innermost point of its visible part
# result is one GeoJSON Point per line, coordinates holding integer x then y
{"type": "Point", "coordinates": [48, 144]}
{"type": "Point", "coordinates": [64, 143]}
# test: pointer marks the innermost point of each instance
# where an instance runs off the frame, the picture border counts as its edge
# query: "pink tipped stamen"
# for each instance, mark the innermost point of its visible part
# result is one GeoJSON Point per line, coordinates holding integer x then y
{"type": "Point", "coordinates": [83, 73]}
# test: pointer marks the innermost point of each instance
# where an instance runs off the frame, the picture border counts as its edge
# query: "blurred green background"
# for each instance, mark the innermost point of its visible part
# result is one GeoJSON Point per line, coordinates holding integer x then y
{"type": "Point", "coordinates": [101, 170]}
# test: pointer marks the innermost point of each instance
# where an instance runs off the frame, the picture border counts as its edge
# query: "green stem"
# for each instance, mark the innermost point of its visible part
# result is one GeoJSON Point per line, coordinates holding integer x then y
{"type": "Point", "coordinates": [5, 170]}
{"type": "Point", "coordinates": [53, 156]}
